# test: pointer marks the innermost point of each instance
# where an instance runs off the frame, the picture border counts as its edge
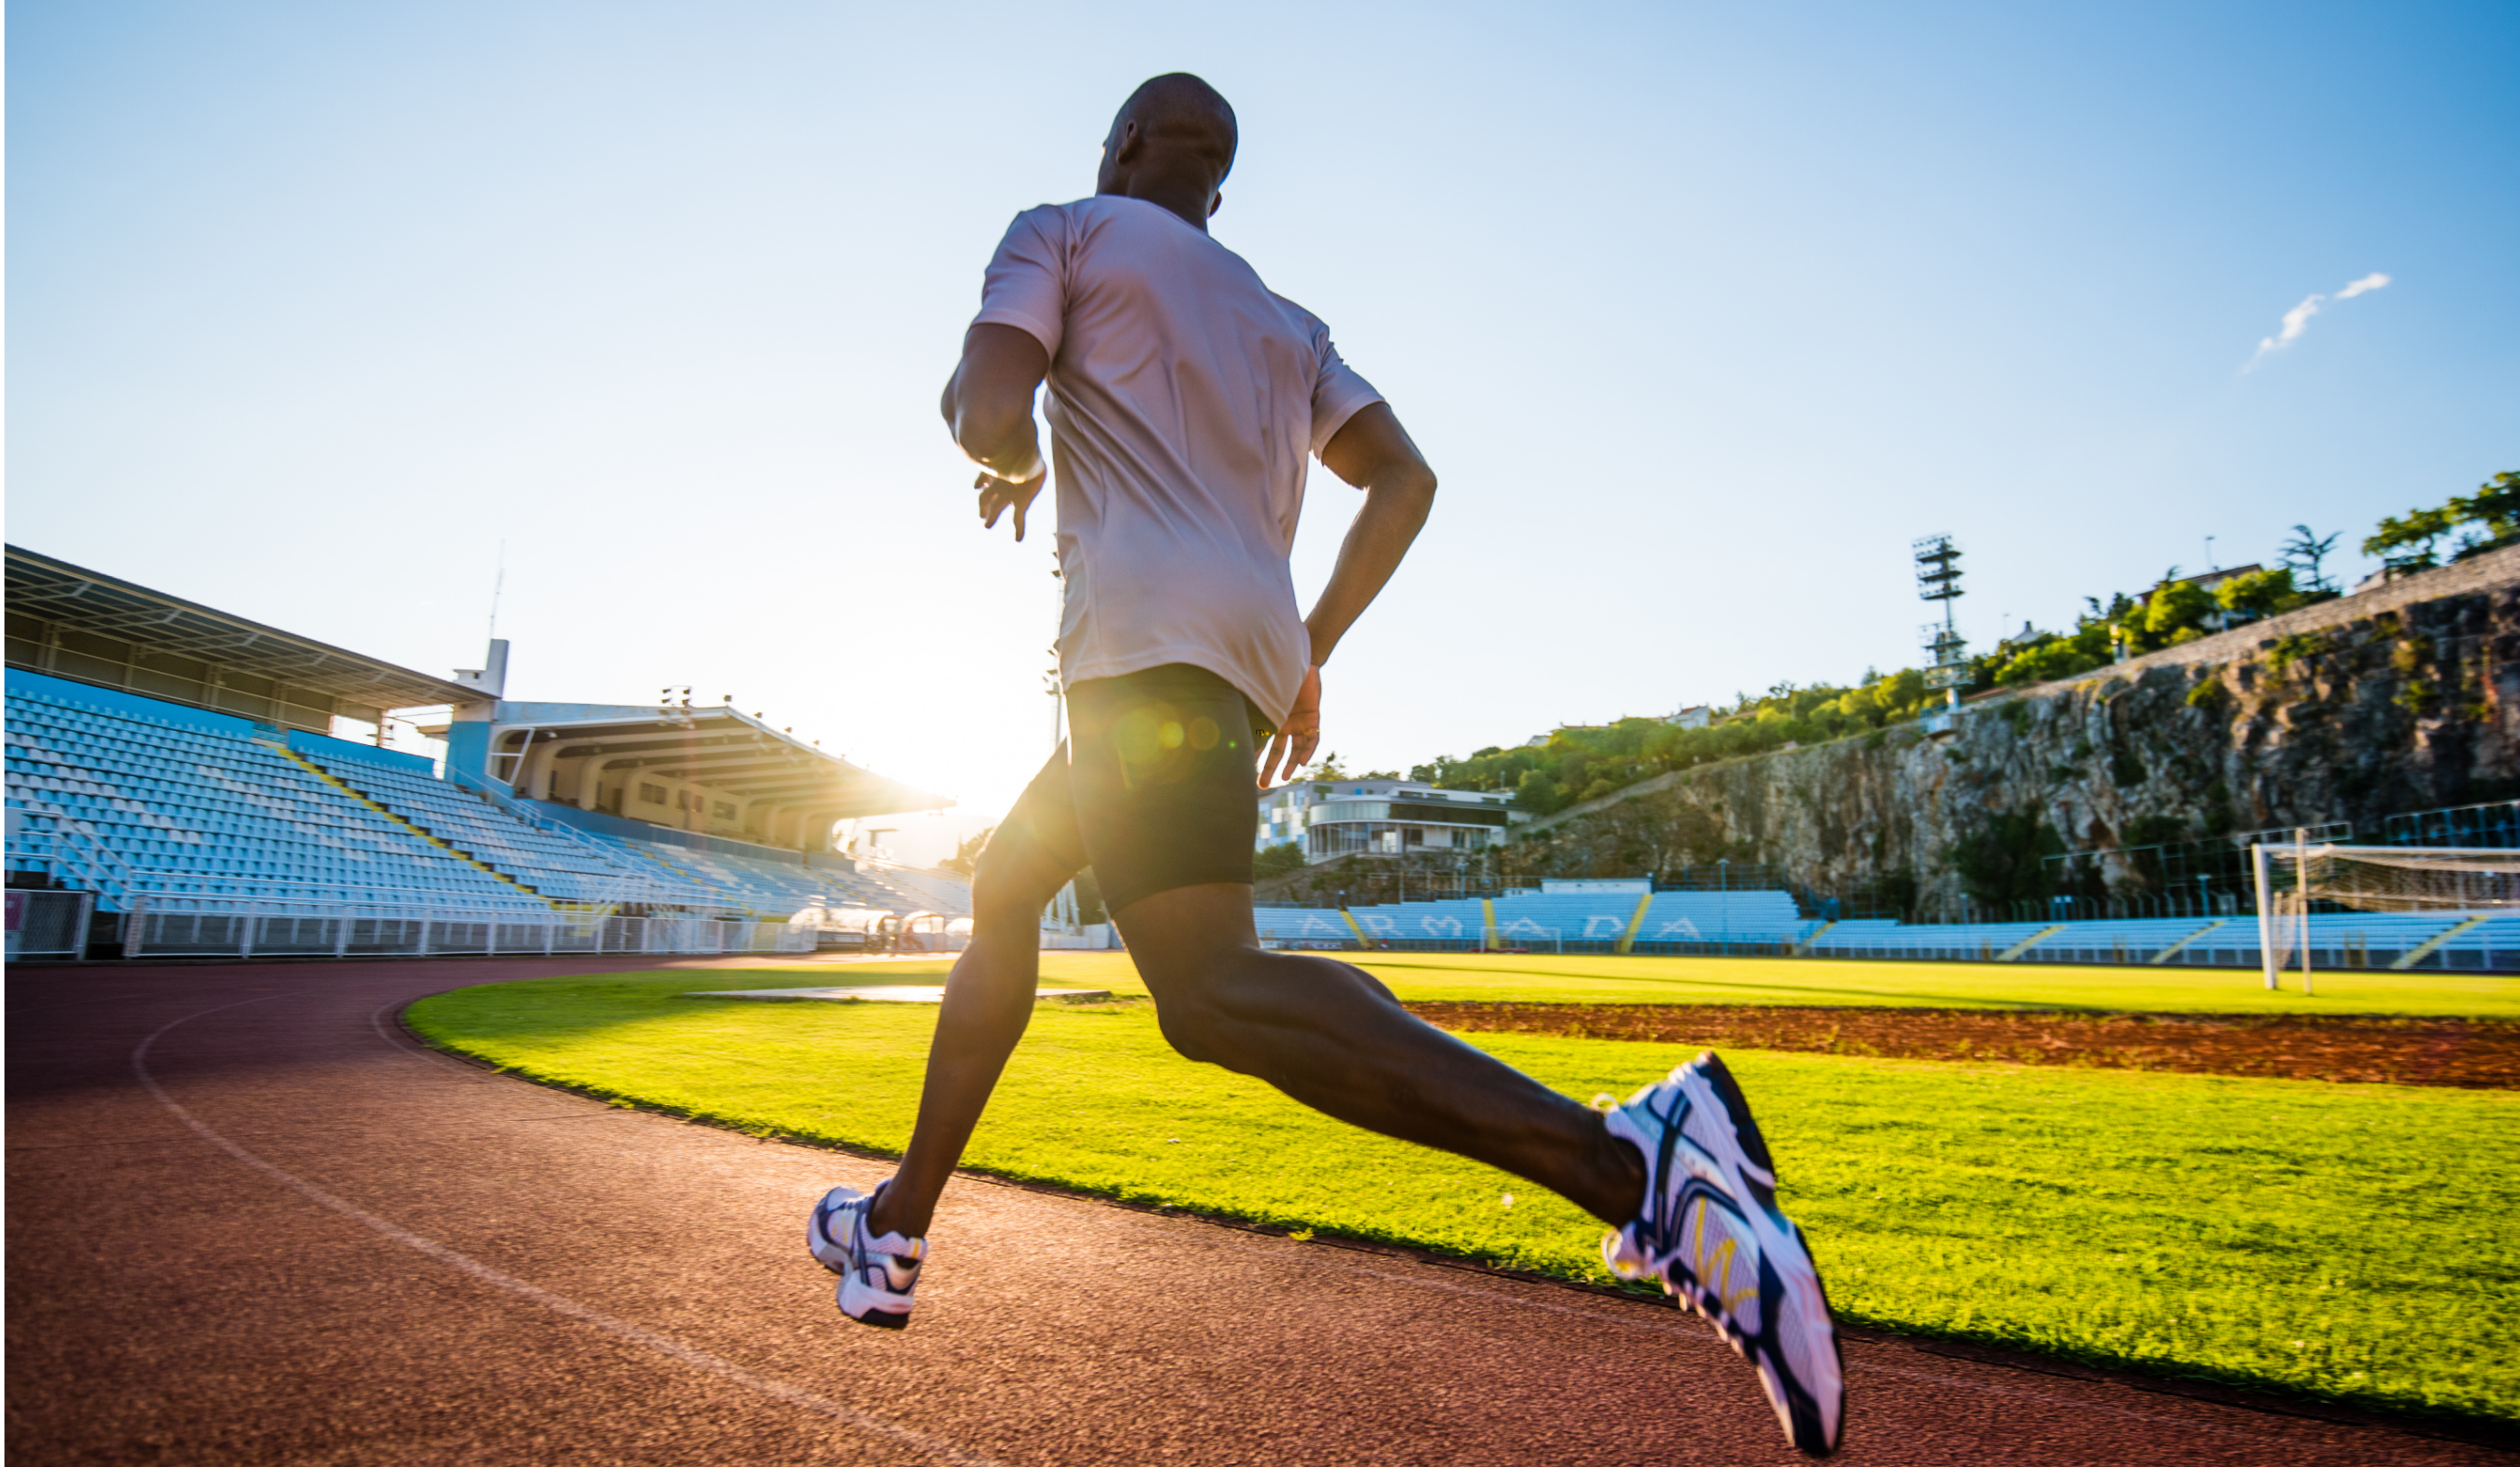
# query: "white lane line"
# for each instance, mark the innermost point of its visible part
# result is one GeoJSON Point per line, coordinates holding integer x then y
{"type": "Point", "coordinates": [623, 1329]}
{"type": "Point", "coordinates": [1625, 1314]}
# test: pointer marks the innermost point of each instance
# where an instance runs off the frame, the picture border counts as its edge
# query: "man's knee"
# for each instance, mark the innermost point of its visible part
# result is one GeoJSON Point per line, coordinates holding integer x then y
{"type": "Point", "coordinates": [1193, 1027]}
{"type": "Point", "coordinates": [1015, 878]}
{"type": "Point", "coordinates": [999, 902]}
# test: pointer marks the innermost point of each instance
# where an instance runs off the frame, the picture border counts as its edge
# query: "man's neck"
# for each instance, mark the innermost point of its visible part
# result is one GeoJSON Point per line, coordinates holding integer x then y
{"type": "Point", "coordinates": [1186, 201]}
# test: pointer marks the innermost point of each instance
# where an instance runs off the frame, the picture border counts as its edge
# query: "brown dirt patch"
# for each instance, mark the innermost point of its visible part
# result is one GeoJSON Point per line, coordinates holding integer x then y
{"type": "Point", "coordinates": [2471, 1053]}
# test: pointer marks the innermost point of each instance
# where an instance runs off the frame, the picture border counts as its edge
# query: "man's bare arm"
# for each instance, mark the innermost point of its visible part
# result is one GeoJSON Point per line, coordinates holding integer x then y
{"type": "Point", "coordinates": [1373, 452]}
{"type": "Point", "coordinates": [988, 404]}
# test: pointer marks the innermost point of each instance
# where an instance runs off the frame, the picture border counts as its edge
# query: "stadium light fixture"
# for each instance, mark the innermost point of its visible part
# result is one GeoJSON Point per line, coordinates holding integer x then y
{"type": "Point", "coordinates": [1938, 578]}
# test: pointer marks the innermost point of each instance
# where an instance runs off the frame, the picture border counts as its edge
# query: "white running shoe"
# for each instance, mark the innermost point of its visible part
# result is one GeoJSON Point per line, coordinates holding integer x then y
{"type": "Point", "coordinates": [1712, 1232]}
{"type": "Point", "coordinates": [876, 1274]}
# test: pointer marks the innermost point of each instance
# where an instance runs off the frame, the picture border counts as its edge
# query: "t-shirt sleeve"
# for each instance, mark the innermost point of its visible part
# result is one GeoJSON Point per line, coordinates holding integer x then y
{"type": "Point", "coordinates": [1027, 284]}
{"type": "Point", "coordinates": [1339, 395]}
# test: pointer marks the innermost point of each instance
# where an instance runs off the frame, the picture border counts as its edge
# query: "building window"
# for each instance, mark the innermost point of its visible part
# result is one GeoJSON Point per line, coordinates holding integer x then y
{"type": "Point", "coordinates": [651, 794]}
{"type": "Point", "coordinates": [723, 810]}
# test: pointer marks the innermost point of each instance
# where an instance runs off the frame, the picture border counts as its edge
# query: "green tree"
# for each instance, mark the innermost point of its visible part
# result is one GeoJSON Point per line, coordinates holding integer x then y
{"type": "Point", "coordinates": [2303, 554]}
{"type": "Point", "coordinates": [2175, 611]}
{"type": "Point", "coordinates": [2411, 542]}
{"type": "Point", "coordinates": [2494, 509]}
{"type": "Point", "coordinates": [2405, 544]}
{"type": "Point", "coordinates": [966, 855]}
{"type": "Point", "coordinates": [1277, 861]}
{"type": "Point", "coordinates": [2055, 658]}
{"type": "Point", "coordinates": [2258, 594]}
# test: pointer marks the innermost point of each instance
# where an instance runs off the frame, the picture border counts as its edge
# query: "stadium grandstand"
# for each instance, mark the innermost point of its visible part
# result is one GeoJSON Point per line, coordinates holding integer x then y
{"type": "Point", "coordinates": [176, 788]}
{"type": "Point", "coordinates": [178, 785]}
{"type": "Point", "coordinates": [1633, 917]}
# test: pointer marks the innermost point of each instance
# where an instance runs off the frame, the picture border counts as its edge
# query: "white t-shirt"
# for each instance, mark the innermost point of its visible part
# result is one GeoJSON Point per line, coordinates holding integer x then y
{"type": "Point", "coordinates": [1186, 399]}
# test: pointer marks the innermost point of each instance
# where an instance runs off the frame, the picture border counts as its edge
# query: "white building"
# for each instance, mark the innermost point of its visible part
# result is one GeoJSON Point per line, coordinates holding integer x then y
{"type": "Point", "coordinates": [1332, 818]}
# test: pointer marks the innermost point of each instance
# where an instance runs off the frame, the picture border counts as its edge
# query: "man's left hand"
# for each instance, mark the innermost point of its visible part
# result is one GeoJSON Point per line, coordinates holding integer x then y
{"type": "Point", "coordinates": [1295, 742]}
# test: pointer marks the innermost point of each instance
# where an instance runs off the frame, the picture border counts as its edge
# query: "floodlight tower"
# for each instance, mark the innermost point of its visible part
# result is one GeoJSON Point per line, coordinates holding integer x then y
{"type": "Point", "coordinates": [1938, 578]}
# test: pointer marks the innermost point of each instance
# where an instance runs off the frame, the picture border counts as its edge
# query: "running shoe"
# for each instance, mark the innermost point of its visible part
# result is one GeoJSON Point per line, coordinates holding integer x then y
{"type": "Point", "coordinates": [876, 1274]}
{"type": "Point", "coordinates": [1711, 1232]}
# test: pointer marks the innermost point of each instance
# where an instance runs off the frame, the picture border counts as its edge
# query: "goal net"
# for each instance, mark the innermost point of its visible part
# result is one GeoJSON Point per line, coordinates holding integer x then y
{"type": "Point", "coordinates": [2436, 881]}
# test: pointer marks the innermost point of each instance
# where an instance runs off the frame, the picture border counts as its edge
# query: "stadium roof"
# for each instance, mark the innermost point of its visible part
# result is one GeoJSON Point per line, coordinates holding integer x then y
{"type": "Point", "coordinates": [83, 624]}
{"type": "Point", "coordinates": [718, 748]}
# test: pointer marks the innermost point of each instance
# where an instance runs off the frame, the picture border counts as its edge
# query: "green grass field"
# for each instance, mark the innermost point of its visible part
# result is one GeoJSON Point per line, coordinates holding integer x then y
{"type": "Point", "coordinates": [2349, 1241]}
{"type": "Point", "coordinates": [1543, 979]}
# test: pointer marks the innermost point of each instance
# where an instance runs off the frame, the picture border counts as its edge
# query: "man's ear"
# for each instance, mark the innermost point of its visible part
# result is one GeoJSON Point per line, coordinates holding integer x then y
{"type": "Point", "coordinates": [1132, 144]}
{"type": "Point", "coordinates": [1215, 203]}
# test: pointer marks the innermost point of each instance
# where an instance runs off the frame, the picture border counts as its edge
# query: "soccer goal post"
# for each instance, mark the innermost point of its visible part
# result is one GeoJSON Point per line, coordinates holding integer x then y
{"type": "Point", "coordinates": [2435, 881]}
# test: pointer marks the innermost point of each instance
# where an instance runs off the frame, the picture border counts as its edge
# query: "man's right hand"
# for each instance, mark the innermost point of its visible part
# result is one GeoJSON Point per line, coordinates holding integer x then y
{"type": "Point", "coordinates": [988, 402]}
{"type": "Point", "coordinates": [998, 496]}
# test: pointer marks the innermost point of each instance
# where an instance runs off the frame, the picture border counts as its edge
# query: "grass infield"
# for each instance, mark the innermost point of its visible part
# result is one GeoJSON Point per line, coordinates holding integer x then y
{"type": "Point", "coordinates": [1540, 977]}
{"type": "Point", "coordinates": [2348, 1241]}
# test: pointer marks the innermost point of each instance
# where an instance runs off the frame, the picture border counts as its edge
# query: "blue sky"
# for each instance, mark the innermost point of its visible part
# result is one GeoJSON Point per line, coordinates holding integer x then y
{"type": "Point", "coordinates": [1701, 313]}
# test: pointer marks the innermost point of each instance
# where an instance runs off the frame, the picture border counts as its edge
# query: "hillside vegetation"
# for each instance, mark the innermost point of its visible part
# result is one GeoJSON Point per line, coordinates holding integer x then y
{"type": "Point", "coordinates": [1577, 764]}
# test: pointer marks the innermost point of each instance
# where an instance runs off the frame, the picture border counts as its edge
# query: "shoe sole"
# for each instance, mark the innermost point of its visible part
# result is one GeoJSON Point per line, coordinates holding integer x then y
{"type": "Point", "coordinates": [867, 1314]}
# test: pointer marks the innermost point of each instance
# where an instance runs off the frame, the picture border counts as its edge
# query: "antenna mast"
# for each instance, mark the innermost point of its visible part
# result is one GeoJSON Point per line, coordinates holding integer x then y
{"type": "Point", "coordinates": [497, 584]}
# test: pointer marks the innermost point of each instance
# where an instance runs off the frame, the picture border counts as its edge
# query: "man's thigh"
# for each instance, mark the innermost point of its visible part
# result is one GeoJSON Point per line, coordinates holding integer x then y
{"type": "Point", "coordinates": [1162, 776]}
{"type": "Point", "coordinates": [1037, 848]}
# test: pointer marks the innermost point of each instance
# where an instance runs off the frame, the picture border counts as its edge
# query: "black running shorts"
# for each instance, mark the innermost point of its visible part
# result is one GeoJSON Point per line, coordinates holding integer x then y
{"type": "Point", "coordinates": [1154, 788]}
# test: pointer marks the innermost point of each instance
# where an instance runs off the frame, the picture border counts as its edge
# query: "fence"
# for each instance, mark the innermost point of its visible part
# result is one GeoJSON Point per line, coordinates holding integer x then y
{"type": "Point", "coordinates": [250, 928]}
{"type": "Point", "coordinates": [49, 924]}
{"type": "Point", "coordinates": [2200, 903]}
{"type": "Point", "coordinates": [2496, 825]}
{"type": "Point", "coordinates": [1543, 940]}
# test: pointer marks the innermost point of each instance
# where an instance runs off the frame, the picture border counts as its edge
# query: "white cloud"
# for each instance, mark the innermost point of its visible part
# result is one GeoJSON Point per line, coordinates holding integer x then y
{"type": "Point", "coordinates": [2297, 320]}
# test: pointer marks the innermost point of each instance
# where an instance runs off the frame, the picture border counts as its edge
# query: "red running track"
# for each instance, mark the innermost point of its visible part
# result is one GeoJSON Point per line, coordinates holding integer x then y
{"type": "Point", "coordinates": [252, 1222]}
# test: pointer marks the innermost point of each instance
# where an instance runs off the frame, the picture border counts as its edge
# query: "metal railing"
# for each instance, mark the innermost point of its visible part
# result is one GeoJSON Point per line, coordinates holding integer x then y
{"type": "Point", "coordinates": [48, 924]}
{"type": "Point", "coordinates": [2201, 900]}
{"type": "Point", "coordinates": [248, 928]}
{"type": "Point", "coordinates": [2495, 826]}
{"type": "Point", "coordinates": [75, 853]}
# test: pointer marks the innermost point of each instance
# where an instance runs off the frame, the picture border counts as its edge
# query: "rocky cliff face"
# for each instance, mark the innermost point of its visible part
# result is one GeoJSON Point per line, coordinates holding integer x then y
{"type": "Point", "coordinates": [2407, 698]}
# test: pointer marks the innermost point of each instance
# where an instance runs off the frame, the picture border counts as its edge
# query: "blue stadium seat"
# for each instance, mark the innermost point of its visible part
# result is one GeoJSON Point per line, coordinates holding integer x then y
{"type": "Point", "coordinates": [188, 809]}
{"type": "Point", "coordinates": [554, 866]}
{"type": "Point", "coordinates": [192, 811]}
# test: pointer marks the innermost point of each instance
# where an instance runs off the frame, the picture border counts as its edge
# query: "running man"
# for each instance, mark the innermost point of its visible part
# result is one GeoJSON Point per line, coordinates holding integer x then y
{"type": "Point", "coordinates": [1185, 399]}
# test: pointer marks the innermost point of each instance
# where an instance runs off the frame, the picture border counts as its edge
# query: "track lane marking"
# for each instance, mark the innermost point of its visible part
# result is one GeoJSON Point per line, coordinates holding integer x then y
{"type": "Point", "coordinates": [1621, 1312]}
{"type": "Point", "coordinates": [622, 1329]}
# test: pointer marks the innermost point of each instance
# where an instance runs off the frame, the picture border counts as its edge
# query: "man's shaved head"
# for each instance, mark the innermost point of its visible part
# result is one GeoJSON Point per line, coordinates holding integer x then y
{"type": "Point", "coordinates": [1181, 114]}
